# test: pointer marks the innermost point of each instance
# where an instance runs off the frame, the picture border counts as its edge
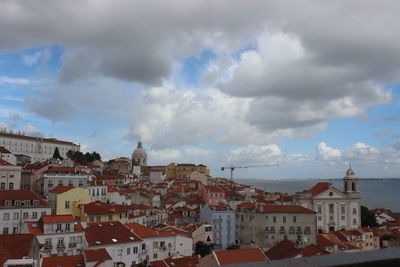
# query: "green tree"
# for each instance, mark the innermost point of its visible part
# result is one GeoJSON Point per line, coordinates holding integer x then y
{"type": "Point", "coordinates": [56, 154]}
{"type": "Point", "coordinates": [368, 218]}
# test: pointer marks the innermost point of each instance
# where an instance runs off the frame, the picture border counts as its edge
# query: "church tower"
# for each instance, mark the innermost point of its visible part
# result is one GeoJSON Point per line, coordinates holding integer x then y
{"type": "Point", "coordinates": [350, 184]}
{"type": "Point", "coordinates": [139, 156]}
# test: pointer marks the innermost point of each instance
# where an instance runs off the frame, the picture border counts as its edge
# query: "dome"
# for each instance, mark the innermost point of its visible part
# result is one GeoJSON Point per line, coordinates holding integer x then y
{"type": "Point", "coordinates": [139, 155]}
{"type": "Point", "coordinates": [350, 172]}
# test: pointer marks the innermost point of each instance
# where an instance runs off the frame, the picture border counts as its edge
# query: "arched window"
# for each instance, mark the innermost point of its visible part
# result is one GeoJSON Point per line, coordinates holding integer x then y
{"type": "Point", "coordinates": [345, 186]}
{"type": "Point", "coordinates": [353, 187]}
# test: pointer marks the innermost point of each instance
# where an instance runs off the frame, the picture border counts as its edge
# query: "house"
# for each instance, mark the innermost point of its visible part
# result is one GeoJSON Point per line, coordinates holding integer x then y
{"type": "Point", "coordinates": [57, 261]}
{"type": "Point", "coordinates": [59, 235]}
{"type": "Point", "coordinates": [69, 176]}
{"type": "Point", "coordinates": [19, 250]}
{"type": "Point", "coordinates": [6, 155]}
{"type": "Point", "coordinates": [223, 221]}
{"type": "Point", "coordinates": [63, 199]}
{"type": "Point", "coordinates": [264, 224]}
{"type": "Point", "coordinates": [336, 209]}
{"type": "Point", "coordinates": [125, 247]}
{"type": "Point", "coordinates": [19, 206]}
{"type": "Point", "coordinates": [32, 174]}
{"type": "Point", "coordinates": [160, 244]}
{"type": "Point", "coordinates": [101, 212]}
{"type": "Point", "coordinates": [234, 256]}
{"type": "Point", "coordinates": [212, 194]}
{"type": "Point", "coordinates": [201, 232]}
{"type": "Point", "coordinates": [287, 249]}
{"type": "Point", "coordinates": [97, 257]}
{"type": "Point", "coordinates": [98, 192]}
{"type": "Point", "coordinates": [10, 176]}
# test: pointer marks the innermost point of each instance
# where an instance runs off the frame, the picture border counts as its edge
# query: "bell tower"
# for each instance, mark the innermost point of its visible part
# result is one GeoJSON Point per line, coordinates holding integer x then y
{"type": "Point", "coordinates": [350, 183]}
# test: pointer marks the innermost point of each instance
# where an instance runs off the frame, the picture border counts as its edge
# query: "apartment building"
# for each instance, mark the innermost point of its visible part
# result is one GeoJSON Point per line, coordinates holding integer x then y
{"type": "Point", "coordinates": [265, 225]}
{"type": "Point", "coordinates": [223, 221]}
{"type": "Point", "coordinates": [68, 176]}
{"type": "Point", "coordinates": [59, 235]}
{"type": "Point", "coordinates": [18, 207]}
{"type": "Point", "coordinates": [10, 176]}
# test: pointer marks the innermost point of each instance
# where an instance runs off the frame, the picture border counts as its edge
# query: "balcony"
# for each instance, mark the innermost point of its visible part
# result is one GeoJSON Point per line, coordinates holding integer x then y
{"type": "Point", "coordinates": [282, 232]}
{"type": "Point", "coordinates": [48, 246]}
{"type": "Point", "coordinates": [61, 245]}
{"type": "Point", "coordinates": [72, 245]}
{"type": "Point", "coordinates": [307, 232]}
{"type": "Point", "coordinates": [299, 232]}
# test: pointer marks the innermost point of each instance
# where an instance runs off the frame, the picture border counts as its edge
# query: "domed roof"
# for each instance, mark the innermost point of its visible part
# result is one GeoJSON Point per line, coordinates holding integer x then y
{"type": "Point", "coordinates": [139, 152]}
{"type": "Point", "coordinates": [350, 172]}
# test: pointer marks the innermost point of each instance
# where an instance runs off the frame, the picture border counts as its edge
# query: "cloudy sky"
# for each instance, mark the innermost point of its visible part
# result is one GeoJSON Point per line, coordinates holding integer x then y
{"type": "Point", "coordinates": [311, 85]}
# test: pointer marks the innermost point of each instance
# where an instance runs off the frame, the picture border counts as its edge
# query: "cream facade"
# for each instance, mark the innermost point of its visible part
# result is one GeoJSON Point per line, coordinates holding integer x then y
{"type": "Point", "coordinates": [38, 149]}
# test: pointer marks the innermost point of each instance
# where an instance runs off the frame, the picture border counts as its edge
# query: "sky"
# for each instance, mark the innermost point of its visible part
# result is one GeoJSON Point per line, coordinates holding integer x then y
{"type": "Point", "coordinates": [310, 85]}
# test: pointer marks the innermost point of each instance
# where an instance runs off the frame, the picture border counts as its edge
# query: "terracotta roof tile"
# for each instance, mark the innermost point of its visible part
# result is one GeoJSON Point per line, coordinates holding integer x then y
{"type": "Point", "coordinates": [108, 233]}
{"type": "Point", "coordinates": [284, 209]}
{"type": "Point", "coordinates": [19, 195]}
{"type": "Point", "coordinates": [61, 189]}
{"type": "Point", "coordinates": [282, 250]}
{"type": "Point", "coordinates": [97, 255]}
{"type": "Point", "coordinates": [237, 256]}
{"type": "Point", "coordinates": [145, 232]}
{"type": "Point", "coordinates": [5, 163]}
{"type": "Point", "coordinates": [4, 150]}
{"type": "Point", "coordinates": [67, 218]}
{"type": "Point", "coordinates": [64, 261]}
{"type": "Point", "coordinates": [319, 188]}
{"type": "Point", "coordinates": [15, 246]}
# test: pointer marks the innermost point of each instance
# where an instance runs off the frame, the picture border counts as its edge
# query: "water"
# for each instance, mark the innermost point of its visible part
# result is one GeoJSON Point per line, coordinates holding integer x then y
{"type": "Point", "coordinates": [374, 193]}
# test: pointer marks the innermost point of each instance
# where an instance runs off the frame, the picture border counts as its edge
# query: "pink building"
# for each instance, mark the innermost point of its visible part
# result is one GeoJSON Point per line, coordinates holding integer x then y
{"type": "Point", "coordinates": [33, 173]}
{"type": "Point", "coordinates": [212, 194]}
{"type": "Point", "coordinates": [10, 176]}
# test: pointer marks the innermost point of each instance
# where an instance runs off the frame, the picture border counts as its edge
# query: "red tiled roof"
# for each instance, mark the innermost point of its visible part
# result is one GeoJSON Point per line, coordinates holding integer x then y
{"type": "Point", "coordinates": [284, 208]}
{"type": "Point", "coordinates": [282, 250]}
{"type": "Point", "coordinates": [108, 233]}
{"type": "Point", "coordinates": [19, 195]}
{"type": "Point", "coordinates": [237, 256]}
{"type": "Point", "coordinates": [32, 138]}
{"type": "Point", "coordinates": [214, 188]}
{"type": "Point", "coordinates": [144, 232]}
{"type": "Point", "coordinates": [62, 169]}
{"type": "Point", "coordinates": [179, 231]}
{"type": "Point", "coordinates": [312, 250]}
{"type": "Point", "coordinates": [324, 242]}
{"type": "Point", "coordinates": [187, 261]}
{"type": "Point", "coordinates": [97, 255]}
{"type": "Point", "coordinates": [15, 246]}
{"type": "Point", "coordinates": [4, 150]}
{"type": "Point", "coordinates": [64, 261]}
{"type": "Point", "coordinates": [61, 189]}
{"type": "Point", "coordinates": [67, 218]}
{"type": "Point", "coordinates": [5, 163]}
{"type": "Point", "coordinates": [98, 207]}
{"type": "Point", "coordinates": [319, 188]}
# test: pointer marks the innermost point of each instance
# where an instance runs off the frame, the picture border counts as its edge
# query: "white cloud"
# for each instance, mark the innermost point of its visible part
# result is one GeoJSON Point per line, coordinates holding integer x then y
{"type": "Point", "coordinates": [14, 81]}
{"type": "Point", "coordinates": [41, 56]}
{"type": "Point", "coordinates": [326, 152]}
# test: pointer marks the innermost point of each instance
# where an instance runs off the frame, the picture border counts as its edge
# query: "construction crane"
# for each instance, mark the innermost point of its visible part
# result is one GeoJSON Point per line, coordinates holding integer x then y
{"type": "Point", "coordinates": [232, 168]}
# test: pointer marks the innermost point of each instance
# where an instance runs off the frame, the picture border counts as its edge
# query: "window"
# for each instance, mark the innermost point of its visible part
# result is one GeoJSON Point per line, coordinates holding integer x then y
{"type": "Point", "coordinates": [79, 239]}
{"type": "Point", "coordinates": [60, 182]}
{"type": "Point", "coordinates": [70, 183]}
{"type": "Point", "coordinates": [67, 204]}
{"type": "Point", "coordinates": [5, 231]}
{"type": "Point", "coordinates": [319, 218]}
{"type": "Point", "coordinates": [25, 215]}
{"type": "Point", "coordinates": [135, 250]}
{"type": "Point", "coordinates": [319, 209]}
{"type": "Point", "coordinates": [67, 227]}
{"type": "Point", "coordinates": [155, 256]}
{"type": "Point", "coordinates": [3, 186]}
{"type": "Point", "coordinates": [34, 215]}
{"type": "Point", "coordinates": [294, 219]}
{"type": "Point", "coordinates": [110, 217]}
{"type": "Point", "coordinates": [43, 213]}
{"type": "Point", "coordinates": [342, 209]}
{"type": "Point", "coordinates": [47, 243]}
{"type": "Point", "coordinates": [128, 251]}
{"type": "Point", "coordinates": [11, 186]}
{"type": "Point", "coordinates": [274, 219]}
{"type": "Point", "coordinates": [354, 211]}
{"type": "Point", "coordinates": [284, 219]}
{"type": "Point", "coordinates": [98, 218]}
{"type": "Point", "coordinates": [119, 252]}
{"type": "Point", "coordinates": [6, 216]}
{"type": "Point", "coordinates": [331, 208]}
{"type": "Point", "coordinates": [58, 227]}
{"type": "Point", "coordinates": [16, 216]}
{"type": "Point", "coordinates": [354, 221]}
{"type": "Point", "coordinates": [91, 219]}
{"type": "Point", "coordinates": [72, 240]}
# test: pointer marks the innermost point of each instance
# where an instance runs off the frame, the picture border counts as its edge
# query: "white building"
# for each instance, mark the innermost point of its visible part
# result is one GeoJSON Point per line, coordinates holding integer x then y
{"type": "Point", "coordinates": [125, 247]}
{"type": "Point", "coordinates": [67, 176]}
{"type": "Point", "coordinates": [98, 192]}
{"type": "Point", "coordinates": [37, 148]}
{"type": "Point", "coordinates": [336, 209]}
{"type": "Point", "coordinates": [59, 235]}
{"type": "Point", "coordinates": [10, 176]}
{"type": "Point", "coordinates": [19, 206]}
{"type": "Point", "coordinates": [7, 156]}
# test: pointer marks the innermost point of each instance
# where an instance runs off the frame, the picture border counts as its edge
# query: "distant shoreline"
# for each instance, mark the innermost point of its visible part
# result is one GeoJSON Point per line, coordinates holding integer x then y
{"type": "Point", "coordinates": [330, 179]}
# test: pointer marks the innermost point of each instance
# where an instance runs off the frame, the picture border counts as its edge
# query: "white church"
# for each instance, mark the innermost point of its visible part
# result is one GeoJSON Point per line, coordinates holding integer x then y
{"type": "Point", "coordinates": [336, 209]}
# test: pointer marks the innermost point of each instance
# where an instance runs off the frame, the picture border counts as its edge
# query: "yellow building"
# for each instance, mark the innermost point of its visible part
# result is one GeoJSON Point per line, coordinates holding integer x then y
{"type": "Point", "coordinates": [183, 171]}
{"type": "Point", "coordinates": [367, 239]}
{"type": "Point", "coordinates": [101, 212]}
{"type": "Point", "coordinates": [63, 199]}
